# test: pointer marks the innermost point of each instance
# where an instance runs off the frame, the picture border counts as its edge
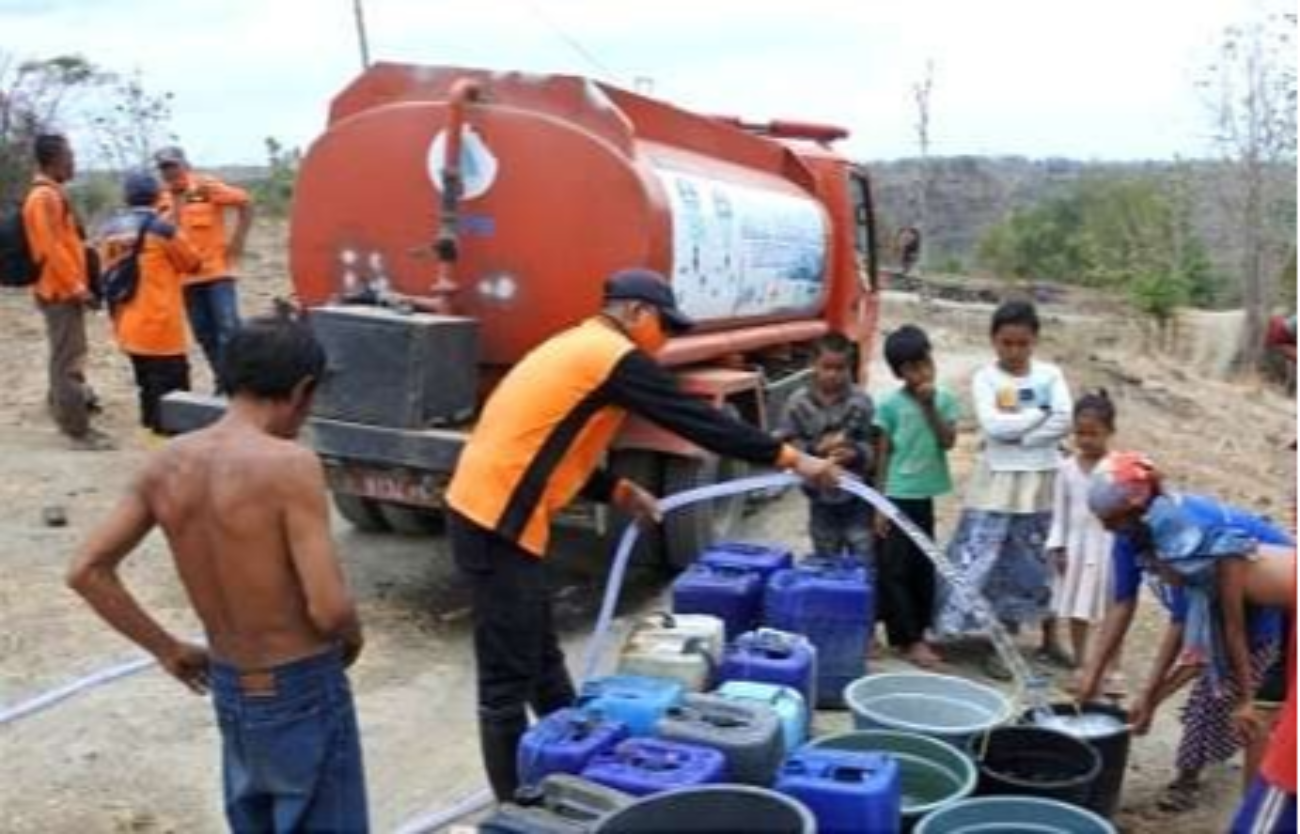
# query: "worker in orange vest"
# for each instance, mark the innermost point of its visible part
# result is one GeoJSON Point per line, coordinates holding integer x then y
{"type": "Point", "coordinates": [196, 204]}
{"type": "Point", "coordinates": [536, 447]}
{"type": "Point", "coordinates": [63, 289]}
{"type": "Point", "coordinates": [149, 318]}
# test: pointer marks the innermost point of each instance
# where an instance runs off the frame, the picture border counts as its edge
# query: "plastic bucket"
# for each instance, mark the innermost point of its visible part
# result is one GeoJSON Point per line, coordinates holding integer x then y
{"type": "Point", "coordinates": [1111, 741]}
{"type": "Point", "coordinates": [932, 773]}
{"type": "Point", "coordinates": [1032, 761]}
{"type": "Point", "coordinates": [1012, 815]}
{"type": "Point", "coordinates": [940, 706]}
{"type": "Point", "coordinates": [712, 810]}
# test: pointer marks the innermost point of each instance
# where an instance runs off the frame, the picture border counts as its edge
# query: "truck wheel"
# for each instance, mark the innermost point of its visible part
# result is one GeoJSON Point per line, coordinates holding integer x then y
{"type": "Point", "coordinates": [689, 532]}
{"type": "Point", "coordinates": [361, 513]}
{"type": "Point", "coordinates": [411, 521]}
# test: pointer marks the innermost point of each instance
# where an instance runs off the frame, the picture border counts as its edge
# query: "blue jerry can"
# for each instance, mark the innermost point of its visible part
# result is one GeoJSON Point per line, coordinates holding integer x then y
{"type": "Point", "coordinates": [832, 603]}
{"type": "Point", "coordinates": [564, 741]}
{"type": "Point", "coordinates": [639, 702]}
{"type": "Point", "coordinates": [764, 560]}
{"type": "Point", "coordinates": [733, 595]}
{"type": "Point", "coordinates": [771, 656]}
{"type": "Point", "coordinates": [848, 791]}
{"type": "Point", "coordinates": [643, 766]}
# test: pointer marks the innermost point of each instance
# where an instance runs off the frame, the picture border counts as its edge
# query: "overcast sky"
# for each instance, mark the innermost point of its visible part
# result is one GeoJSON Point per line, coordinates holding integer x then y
{"type": "Point", "coordinates": [1103, 79]}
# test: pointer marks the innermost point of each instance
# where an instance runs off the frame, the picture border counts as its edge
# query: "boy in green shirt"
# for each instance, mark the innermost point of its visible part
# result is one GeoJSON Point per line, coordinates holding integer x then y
{"type": "Point", "coordinates": [918, 425]}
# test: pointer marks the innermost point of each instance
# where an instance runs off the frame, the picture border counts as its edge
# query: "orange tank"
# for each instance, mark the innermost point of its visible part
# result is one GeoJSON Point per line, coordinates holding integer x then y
{"type": "Point", "coordinates": [764, 230]}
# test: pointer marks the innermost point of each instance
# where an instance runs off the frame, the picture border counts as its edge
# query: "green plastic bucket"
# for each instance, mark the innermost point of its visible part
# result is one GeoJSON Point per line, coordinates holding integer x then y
{"type": "Point", "coordinates": [715, 809]}
{"type": "Point", "coordinates": [940, 706]}
{"type": "Point", "coordinates": [1012, 815]}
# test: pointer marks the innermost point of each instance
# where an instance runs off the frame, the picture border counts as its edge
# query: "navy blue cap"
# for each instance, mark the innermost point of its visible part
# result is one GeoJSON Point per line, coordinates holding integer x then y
{"type": "Point", "coordinates": [650, 287]}
{"type": "Point", "coordinates": [140, 188]}
{"type": "Point", "coordinates": [170, 155]}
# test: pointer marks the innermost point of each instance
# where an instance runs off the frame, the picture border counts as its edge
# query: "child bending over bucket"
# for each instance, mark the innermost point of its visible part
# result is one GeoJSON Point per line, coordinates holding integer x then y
{"type": "Point", "coordinates": [831, 418]}
{"type": "Point", "coordinates": [1023, 406]}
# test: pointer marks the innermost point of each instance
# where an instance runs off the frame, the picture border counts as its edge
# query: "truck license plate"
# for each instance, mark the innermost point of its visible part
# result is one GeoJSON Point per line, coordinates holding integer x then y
{"type": "Point", "coordinates": [402, 486]}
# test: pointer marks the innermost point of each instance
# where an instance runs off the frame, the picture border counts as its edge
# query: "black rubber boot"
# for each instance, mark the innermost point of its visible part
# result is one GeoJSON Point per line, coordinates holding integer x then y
{"type": "Point", "coordinates": [499, 738]}
{"type": "Point", "coordinates": [553, 692]}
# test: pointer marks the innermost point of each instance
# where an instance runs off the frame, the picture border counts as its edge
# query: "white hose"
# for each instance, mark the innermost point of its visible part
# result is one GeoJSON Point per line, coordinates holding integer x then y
{"type": "Point", "coordinates": [975, 602]}
{"type": "Point", "coordinates": [434, 820]}
{"type": "Point", "coordinates": [623, 555]}
{"type": "Point", "coordinates": [48, 699]}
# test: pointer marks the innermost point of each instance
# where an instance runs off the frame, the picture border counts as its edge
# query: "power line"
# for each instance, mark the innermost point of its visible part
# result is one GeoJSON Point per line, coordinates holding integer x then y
{"type": "Point", "coordinates": [362, 40]}
{"type": "Point", "coordinates": [572, 42]}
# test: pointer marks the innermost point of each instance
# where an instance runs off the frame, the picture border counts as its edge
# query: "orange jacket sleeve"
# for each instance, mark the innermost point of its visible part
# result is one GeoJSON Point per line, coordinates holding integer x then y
{"type": "Point", "coordinates": [55, 245]}
{"type": "Point", "coordinates": [181, 254]}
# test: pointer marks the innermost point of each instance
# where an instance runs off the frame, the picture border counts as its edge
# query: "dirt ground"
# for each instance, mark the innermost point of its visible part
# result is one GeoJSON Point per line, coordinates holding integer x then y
{"type": "Point", "coordinates": [141, 755]}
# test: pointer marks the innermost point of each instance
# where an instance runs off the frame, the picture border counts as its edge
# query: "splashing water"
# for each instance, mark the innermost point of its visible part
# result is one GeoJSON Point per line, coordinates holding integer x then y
{"type": "Point", "coordinates": [1086, 725]}
{"type": "Point", "coordinates": [1033, 688]}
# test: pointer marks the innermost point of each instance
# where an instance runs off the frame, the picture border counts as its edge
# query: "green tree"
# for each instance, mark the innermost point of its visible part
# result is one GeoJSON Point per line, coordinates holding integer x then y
{"type": "Point", "coordinates": [1041, 243]}
{"type": "Point", "coordinates": [1159, 295]}
{"type": "Point", "coordinates": [35, 97]}
{"type": "Point", "coordinates": [274, 192]}
{"type": "Point", "coordinates": [1133, 234]}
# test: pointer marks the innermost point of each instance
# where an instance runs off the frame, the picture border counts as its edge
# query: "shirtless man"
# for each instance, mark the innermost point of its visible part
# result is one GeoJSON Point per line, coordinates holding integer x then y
{"type": "Point", "coordinates": [243, 509]}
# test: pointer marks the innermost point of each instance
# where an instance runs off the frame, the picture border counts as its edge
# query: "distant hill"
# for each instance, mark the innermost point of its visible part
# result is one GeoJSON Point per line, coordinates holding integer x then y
{"type": "Point", "coordinates": [969, 194]}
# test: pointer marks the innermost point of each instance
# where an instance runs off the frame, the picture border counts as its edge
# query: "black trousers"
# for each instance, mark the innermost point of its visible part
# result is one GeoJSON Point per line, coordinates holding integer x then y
{"type": "Point", "coordinates": [906, 577]}
{"type": "Point", "coordinates": [156, 377]}
{"type": "Point", "coordinates": [519, 660]}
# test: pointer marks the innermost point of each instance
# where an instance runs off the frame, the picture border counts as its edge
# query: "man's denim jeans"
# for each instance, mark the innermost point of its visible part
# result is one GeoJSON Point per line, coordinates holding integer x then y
{"type": "Point", "coordinates": [291, 748]}
{"type": "Point", "coordinates": [213, 310]}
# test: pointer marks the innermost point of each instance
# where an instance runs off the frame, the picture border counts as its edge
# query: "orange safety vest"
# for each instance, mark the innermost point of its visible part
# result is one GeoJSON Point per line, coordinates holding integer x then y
{"type": "Point", "coordinates": [201, 216]}
{"type": "Point", "coordinates": [541, 435]}
{"type": "Point", "coordinates": [56, 242]}
{"type": "Point", "coordinates": [153, 322]}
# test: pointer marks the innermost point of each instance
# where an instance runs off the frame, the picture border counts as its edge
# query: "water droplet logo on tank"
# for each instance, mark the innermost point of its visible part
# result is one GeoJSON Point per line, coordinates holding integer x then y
{"type": "Point", "coordinates": [478, 165]}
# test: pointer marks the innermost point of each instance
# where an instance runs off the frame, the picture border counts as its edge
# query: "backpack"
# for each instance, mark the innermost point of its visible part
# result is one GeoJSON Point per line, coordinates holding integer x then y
{"type": "Point", "coordinates": [120, 281]}
{"type": "Point", "coordinates": [17, 268]}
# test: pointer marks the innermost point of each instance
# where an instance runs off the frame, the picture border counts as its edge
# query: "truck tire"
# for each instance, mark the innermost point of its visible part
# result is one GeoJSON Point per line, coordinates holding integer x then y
{"type": "Point", "coordinates": [688, 532]}
{"type": "Point", "coordinates": [411, 521]}
{"type": "Point", "coordinates": [361, 513]}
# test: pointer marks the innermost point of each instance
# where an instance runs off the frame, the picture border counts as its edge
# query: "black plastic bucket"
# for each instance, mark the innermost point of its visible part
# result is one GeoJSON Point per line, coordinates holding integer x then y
{"type": "Point", "coordinates": [712, 810]}
{"type": "Point", "coordinates": [1111, 745]}
{"type": "Point", "coordinates": [1031, 761]}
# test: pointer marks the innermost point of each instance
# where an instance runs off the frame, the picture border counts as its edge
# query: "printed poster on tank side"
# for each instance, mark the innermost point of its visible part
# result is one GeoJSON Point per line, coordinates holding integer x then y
{"type": "Point", "coordinates": [740, 251]}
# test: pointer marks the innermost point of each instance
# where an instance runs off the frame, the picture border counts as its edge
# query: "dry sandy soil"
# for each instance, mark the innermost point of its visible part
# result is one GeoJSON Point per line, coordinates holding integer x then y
{"type": "Point", "coordinates": [140, 755]}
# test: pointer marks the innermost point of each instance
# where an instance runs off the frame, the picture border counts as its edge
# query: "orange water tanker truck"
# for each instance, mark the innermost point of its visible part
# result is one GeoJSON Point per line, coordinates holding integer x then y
{"type": "Point", "coordinates": [449, 220]}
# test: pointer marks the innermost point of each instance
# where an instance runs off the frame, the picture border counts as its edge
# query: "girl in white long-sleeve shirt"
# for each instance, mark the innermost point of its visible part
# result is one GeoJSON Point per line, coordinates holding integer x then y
{"type": "Point", "coordinates": [1024, 411]}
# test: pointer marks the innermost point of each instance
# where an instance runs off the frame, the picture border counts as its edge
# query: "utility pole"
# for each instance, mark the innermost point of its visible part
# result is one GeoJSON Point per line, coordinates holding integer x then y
{"type": "Point", "coordinates": [361, 33]}
{"type": "Point", "coordinates": [921, 93]}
